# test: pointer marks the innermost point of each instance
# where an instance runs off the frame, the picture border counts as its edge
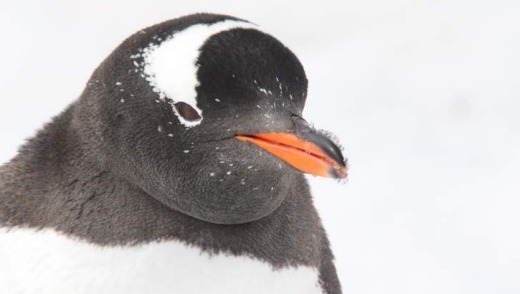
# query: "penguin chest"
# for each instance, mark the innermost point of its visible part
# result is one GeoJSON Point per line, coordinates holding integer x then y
{"type": "Point", "coordinates": [48, 262]}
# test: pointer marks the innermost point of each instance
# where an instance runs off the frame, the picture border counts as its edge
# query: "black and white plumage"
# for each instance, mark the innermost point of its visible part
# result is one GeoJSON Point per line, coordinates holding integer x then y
{"type": "Point", "coordinates": [141, 184]}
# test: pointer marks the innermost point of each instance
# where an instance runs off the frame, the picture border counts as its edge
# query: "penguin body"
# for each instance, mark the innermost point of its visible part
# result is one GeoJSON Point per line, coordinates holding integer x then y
{"type": "Point", "coordinates": [48, 262]}
{"type": "Point", "coordinates": [144, 183]}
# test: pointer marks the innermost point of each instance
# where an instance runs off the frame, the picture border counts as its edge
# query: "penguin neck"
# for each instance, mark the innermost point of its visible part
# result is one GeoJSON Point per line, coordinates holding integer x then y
{"type": "Point", "coordinates": [34, 180]}
{"type": "Point", "coordinates": [55, 183]}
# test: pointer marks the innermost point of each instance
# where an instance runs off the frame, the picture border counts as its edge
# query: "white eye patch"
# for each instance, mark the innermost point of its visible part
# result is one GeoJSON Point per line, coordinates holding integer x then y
{"type": "Point", "coordinates": [171, 69]}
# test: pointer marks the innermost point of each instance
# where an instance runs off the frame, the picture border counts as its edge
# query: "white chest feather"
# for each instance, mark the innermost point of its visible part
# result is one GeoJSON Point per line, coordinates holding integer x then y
{"type": "Point", "coordinates": [48, 262]}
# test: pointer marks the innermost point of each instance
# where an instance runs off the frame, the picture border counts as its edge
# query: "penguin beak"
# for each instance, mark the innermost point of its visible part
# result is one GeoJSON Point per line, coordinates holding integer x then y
{"type": "Point", "coordinates": [305, 150]}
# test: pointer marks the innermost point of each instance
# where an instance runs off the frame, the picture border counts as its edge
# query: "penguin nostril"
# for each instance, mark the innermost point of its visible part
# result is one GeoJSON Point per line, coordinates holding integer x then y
{"type": "Point", "coordinates": [298, 120]}
{"type": "Point", "coordinates": [187, 112]}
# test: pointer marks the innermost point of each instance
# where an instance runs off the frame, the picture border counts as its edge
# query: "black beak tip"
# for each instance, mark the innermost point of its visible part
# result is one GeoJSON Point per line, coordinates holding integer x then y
{"type": "Point", "coordinates": [305, 131]}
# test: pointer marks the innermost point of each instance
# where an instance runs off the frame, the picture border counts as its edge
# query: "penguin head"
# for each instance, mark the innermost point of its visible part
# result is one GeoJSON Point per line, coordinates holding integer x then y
{"type": "Point", "coordinates": [204, 113]}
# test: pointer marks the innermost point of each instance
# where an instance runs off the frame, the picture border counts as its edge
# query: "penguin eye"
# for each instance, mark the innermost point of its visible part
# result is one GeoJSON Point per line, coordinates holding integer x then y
{"type": "Point", "coordinates": [187, 112]}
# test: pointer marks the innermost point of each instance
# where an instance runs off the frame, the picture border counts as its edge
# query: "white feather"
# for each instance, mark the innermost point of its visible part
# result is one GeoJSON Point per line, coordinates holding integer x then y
{"type": "Point", "coordinates": [170, 67]}
{"type": "Point", "coordinates": [49, 262]}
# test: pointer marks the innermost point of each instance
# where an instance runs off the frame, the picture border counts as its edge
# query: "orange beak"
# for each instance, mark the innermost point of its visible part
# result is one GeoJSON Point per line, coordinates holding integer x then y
{"type": "Point", "coordinates": [315, 154]}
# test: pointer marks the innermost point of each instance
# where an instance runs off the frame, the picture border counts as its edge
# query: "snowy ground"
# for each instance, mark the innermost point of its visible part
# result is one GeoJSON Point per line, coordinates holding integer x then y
{"type": "Point", "coordinates": [423, 94]}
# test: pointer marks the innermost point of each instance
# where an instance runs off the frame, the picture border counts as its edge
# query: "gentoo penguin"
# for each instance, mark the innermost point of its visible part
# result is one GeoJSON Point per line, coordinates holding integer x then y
{"type": "Point", "coordinates": [178, 170]}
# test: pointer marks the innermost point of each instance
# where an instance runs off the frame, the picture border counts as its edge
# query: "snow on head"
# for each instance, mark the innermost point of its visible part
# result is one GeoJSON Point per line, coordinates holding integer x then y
{"type": "Point", "coordinates": [171, 69]}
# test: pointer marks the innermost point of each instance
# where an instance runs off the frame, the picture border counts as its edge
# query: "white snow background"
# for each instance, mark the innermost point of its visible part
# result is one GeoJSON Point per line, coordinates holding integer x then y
{"type": "Point", "coordinates": [424, 96]}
